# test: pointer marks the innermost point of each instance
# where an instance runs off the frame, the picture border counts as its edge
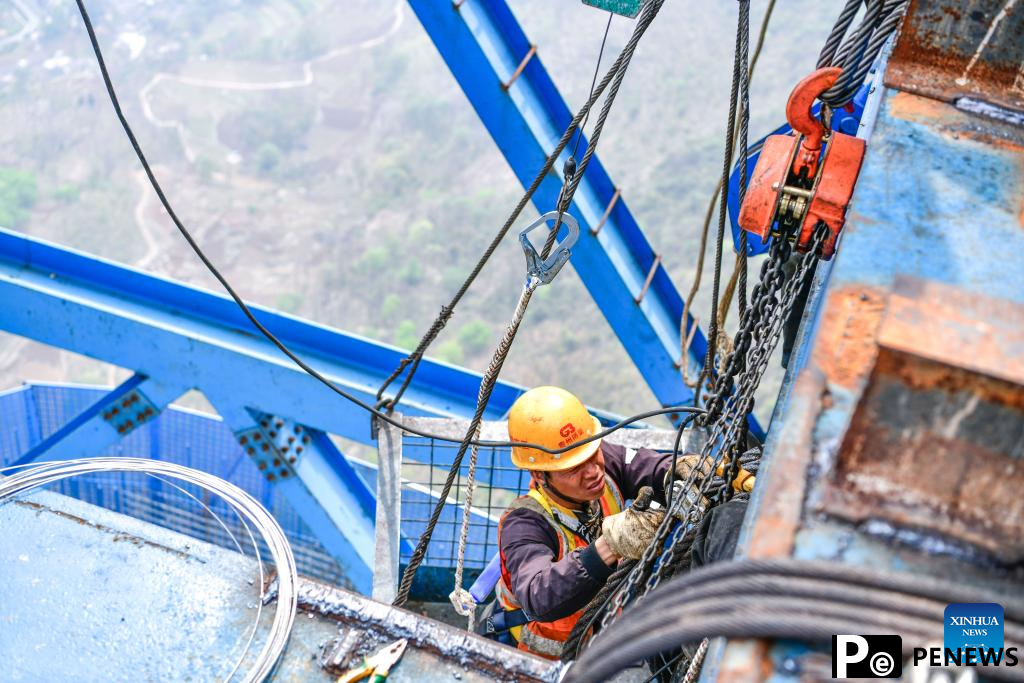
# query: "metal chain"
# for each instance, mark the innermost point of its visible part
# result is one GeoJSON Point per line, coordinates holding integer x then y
{"type": "Point", "coordinates": [760, 330]}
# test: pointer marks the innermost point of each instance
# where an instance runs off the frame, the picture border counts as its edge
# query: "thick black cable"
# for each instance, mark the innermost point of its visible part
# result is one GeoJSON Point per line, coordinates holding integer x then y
{"type": "Point", "coordinates": [839, 29]}
{"type": "Point", "coordinates": [277, 342]}
{"type": "Point", "coordinates": [709, 605]}
{"type": "Point", "coordinates": [856, 54]}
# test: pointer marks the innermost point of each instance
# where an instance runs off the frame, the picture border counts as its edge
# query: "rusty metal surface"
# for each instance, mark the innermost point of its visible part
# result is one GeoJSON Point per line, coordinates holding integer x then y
{"type": "Point", "coordinates": [948, 49]}
{"type": "Point", "coordinates": [92, 595]}
{"type": "Point", "coordinates": [937, 439]}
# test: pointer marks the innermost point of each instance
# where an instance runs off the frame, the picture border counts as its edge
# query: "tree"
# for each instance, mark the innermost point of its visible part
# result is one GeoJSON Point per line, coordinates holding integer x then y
{"type": "Point", "coordinates": [474, 336]}
{"type": "Point", "coordinates": [268, 158]}
{"type": "Point", "coordinates": [17, 196]}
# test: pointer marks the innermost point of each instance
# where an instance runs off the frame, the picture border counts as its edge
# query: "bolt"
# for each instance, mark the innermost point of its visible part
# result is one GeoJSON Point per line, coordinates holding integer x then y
{"type": "Point", "coordinates": [298, 449]}
{"type": "Point", "coordinates": [257, 436]}
{"type": "Point", "coordinates": [279, 424]}
{"type": "Point", "coordinates": [262, 466]}
{"type": "Point", "coordinates": [273, 434]}
{"type": "Point", "coordinates": [265, 447]}
{"type": "Point", "coordinates": [250, 450]}
{"type": "Point", "coordinates": [284, 474]}
{"type": "Point", "coordinates": [292, 459]}
{"type": "Point", "coordinates": [277, 462]}
{"type": "Point", "coordinates": [243, 440]}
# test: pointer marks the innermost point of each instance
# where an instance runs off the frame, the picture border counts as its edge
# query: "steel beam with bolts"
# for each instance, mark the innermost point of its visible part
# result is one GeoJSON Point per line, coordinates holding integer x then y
{"type": "Point", "coordinates": [503, 77]}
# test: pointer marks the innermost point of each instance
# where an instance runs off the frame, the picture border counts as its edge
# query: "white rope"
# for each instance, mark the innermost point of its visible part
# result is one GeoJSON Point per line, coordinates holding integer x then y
{"type": "Point", "coordinates": [697, 662]}
{"type": "Point", "coordinates": [462, 600]}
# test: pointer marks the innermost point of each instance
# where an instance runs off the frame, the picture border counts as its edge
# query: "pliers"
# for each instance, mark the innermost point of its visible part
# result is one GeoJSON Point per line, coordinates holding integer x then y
{"type": "Point", "coordinates": [378, 665]}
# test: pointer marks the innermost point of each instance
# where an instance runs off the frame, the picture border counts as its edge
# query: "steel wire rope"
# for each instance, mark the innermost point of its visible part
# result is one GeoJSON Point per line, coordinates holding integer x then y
{"type": "Point", "coordinates": [461, 599]}
{"type": "Point", "coordinates": [648, 13]}
{"type": "Point", "coordinates": [301, 364]}
{"type": "Point", "coordinates": [684, 336]}
{"type": "Point", "coordinates": [857, 53]}
{"type": "Point", "coordinates": [416, 356]}
{"type": "Point", "coordinates": [35, 476]}
{"type": "Point", "coordinates": [727, 588]}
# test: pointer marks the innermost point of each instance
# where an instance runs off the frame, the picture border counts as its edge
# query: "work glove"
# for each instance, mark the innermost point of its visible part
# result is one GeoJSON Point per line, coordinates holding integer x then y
{"type": "Point", "coordinates": [629, 532]}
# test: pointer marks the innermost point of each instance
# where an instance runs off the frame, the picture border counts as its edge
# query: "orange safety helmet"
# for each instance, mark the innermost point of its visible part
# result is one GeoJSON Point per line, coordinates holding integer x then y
{"type": "Point", "coordinates": [553, 418]}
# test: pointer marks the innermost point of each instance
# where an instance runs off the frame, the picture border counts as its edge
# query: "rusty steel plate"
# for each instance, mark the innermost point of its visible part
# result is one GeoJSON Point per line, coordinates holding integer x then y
{"type": "Point", "coordinates": [950, 49]}
{"type": "Point", "coordinates": [937, 440]}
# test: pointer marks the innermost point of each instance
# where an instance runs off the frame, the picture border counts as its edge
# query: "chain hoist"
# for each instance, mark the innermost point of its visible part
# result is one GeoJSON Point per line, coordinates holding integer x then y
{"type": "Point", "coordinates": [806, 177]}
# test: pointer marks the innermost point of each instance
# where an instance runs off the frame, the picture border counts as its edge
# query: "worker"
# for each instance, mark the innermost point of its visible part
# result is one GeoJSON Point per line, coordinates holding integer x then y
{"type": "Point", "coordinates": [560, 542]}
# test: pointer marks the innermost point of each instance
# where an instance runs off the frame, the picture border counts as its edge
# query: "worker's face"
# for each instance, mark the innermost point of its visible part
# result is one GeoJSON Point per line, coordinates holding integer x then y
{"type": "Point", "coordinates": [583, 482]}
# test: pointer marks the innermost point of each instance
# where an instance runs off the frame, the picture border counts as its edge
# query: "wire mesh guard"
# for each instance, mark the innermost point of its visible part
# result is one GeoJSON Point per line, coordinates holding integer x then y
{"type": "Point", "coordinates": [425, 464]}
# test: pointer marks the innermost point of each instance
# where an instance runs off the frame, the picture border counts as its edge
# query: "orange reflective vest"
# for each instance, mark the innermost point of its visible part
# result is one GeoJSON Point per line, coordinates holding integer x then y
{"type": "Point", "coordinates": [545, 638]}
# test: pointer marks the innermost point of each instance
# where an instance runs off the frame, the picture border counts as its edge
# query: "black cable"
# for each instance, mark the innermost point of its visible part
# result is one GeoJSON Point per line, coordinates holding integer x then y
{"type": "Point", "coordinates": [593, 81]}
{"type": "Point", "coordinates": [277, 342]}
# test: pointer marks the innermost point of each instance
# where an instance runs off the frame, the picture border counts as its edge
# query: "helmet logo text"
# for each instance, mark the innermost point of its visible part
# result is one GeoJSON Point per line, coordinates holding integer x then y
{"type": "Point", "coordinates": [569, 434]}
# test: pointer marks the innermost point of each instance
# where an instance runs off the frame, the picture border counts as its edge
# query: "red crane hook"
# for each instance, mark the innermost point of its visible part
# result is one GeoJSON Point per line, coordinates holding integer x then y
{"type": "Point", "coordinates": [803, 121]}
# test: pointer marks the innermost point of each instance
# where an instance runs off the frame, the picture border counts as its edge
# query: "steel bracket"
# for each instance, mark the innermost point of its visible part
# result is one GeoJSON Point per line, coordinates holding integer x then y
{"type": "Point", "coordinates": [126, 413]}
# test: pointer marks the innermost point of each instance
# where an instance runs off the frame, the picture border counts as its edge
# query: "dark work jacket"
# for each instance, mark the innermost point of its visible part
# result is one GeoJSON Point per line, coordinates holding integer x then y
{"type": "Point", "coordinates": [550, 590]}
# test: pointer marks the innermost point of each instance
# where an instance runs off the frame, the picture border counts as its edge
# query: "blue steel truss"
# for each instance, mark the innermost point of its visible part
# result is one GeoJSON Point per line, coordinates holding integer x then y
{"type": "Point", "coordinates": [176, 338]}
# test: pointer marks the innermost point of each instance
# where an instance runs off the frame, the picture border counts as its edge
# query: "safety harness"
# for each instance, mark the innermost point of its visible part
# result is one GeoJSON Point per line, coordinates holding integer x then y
{"type": "Point", "coordinates": [511, 624]}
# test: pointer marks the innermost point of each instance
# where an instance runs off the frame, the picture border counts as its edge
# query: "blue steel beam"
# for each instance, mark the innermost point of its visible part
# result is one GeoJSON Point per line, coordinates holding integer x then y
{"type": "Point", "coordinates": [171, 332]}
{"type": "Point", "coordinates": [483, 46]}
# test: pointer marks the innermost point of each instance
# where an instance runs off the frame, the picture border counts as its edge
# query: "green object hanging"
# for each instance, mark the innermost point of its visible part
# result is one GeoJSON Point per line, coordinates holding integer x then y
{"type": "Point", "coordinates": [627, 8]}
